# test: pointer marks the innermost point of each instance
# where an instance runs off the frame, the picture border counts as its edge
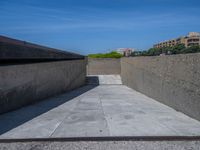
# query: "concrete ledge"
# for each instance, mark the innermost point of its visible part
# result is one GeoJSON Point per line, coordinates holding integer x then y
{"type": "Point", "coordinates": [111, 143]}
{"type": "Point", "coordinates": [105, 138]}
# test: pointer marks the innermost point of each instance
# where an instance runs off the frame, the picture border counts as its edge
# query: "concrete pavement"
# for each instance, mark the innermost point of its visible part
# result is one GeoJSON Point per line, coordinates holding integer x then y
{"type": "Point", "coordinates": [95, 111]}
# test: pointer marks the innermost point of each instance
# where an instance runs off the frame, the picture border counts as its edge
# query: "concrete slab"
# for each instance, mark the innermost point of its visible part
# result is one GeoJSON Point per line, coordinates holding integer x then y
{"type": "Point", "coordinates": [96, 111]}
{"type": "Point", "coordinates": [104, 79]}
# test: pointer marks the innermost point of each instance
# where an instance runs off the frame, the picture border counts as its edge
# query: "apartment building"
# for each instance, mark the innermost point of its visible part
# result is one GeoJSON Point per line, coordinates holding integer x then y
{"type": "Point", "coordinates": [193, 38]}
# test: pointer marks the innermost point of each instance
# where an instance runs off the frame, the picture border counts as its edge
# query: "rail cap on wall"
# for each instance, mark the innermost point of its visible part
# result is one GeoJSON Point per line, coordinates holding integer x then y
{"type": "Point", "coordinates": [12, 50]}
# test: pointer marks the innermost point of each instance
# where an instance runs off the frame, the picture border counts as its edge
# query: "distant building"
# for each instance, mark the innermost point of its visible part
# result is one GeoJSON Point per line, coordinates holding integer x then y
{"type": "Point", "coordinates": [192, 39]}
{"type": "Point", "coordinates": [125, 51]}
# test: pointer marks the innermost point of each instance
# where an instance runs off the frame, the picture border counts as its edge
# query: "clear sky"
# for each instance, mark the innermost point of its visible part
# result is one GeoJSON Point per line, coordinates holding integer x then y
{"type": "Point", "coordinates": [91, 26]}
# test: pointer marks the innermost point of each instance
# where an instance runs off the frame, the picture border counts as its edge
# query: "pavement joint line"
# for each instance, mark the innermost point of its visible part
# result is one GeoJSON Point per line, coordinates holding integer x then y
{"type": "Point", "coordinates": [63, 120]}
{"type": "Point", "coordinates": [162, 124]}
{"type": "Point", "coordinates": [104, 115]}
{"type": "Point", "coordinates": [105, 139]}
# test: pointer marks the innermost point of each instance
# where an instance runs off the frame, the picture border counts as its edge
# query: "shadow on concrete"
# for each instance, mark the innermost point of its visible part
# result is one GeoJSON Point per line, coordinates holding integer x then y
{"type": "Point", "coordinates": [11, 120]}
{"type": "Point", "coordinates": [92, 80]}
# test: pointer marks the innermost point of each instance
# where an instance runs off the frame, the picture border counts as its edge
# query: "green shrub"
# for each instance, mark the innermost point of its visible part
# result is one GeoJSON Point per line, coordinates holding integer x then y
{"type": "Point", "coordinates": [112, 54]}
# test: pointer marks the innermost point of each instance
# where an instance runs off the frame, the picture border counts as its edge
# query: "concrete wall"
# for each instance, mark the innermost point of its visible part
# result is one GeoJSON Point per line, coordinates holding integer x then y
{"type": "Point", "coordinates": [172, 80]}
{"type": "Point", "coordinates": [103, 66]}
{"type": "Point", "coordinates": [23, 84]}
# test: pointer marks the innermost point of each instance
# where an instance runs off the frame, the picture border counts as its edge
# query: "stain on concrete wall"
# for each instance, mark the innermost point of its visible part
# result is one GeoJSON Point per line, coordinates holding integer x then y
{"type": "Point", "coordinates": [23, 84]}
{"type": "Point", "coordinates": [172, 80]}
{"type": "Point", "coordinates": [103, 66]}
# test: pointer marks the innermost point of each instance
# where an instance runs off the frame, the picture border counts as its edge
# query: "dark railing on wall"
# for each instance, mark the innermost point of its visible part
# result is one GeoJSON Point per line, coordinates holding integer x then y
{"type": "Point", "coordinates": [16, 51]}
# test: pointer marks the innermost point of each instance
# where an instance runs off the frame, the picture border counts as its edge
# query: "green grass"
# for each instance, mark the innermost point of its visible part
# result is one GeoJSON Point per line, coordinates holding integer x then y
{"type": "Point", "coordinates": [105, 55]}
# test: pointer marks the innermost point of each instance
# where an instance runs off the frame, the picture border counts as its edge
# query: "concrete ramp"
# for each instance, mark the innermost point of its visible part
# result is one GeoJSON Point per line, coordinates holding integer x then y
{"type": "Point", "coordinates": [97, 111]}
{"type": "Point", "coordinates": [104, 79]}
{"type": "Point", "coordinates": [101, 115]}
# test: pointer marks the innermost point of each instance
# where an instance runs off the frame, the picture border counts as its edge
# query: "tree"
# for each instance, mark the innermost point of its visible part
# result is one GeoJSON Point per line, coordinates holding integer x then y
{"type": "Point", "coordinates": [169, 50]}
{"type": "Point", "coordinates": [177, 49]}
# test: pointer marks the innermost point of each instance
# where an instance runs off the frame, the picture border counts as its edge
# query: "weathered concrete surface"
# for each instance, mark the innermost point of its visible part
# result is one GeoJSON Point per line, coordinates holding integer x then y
{"type": "Point", "coordinates": [12, 49]}
{"type": "Point", "coordinates": [104, 145]}
{"type": "Point", "coordinates": [96, 111]}
{"type": "Point", "coordinates": [103, 66]}
{"type": "Point", "coordinates": [172, 80]}
{"type": "Point", "coordinates": [23, 84]}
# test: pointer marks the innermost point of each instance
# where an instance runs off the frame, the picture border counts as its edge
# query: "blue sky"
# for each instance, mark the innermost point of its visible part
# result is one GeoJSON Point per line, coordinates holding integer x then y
{"type": "Point", "coordinates": [92, 26]}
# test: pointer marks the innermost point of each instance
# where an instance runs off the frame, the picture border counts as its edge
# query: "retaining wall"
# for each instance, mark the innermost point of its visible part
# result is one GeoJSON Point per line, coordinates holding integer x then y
{"type": "Point", "coordinates": [173, 80]}
{"type": "Point", "coordinates": [103, 66]}
{"type": "Point", "coordinates": [22, 84]}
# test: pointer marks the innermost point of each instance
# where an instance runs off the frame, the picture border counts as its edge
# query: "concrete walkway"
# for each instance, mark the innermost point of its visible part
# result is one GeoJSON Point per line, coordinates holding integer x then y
{"type": "Point", "coordinates": [97, 110]}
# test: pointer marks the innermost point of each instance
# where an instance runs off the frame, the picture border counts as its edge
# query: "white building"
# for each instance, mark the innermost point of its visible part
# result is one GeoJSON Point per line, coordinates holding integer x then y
{"type": "Point", "coordinates": [125, 51]}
